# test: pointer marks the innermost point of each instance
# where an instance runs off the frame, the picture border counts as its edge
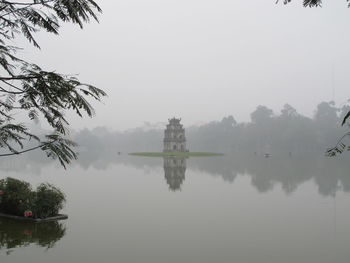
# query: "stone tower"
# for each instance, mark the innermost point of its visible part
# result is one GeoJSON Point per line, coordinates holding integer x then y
{"type": "Point", "coordinates": [174, 137]}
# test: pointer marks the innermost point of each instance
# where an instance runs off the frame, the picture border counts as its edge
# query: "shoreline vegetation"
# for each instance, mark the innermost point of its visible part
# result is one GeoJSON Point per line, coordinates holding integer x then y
{"type": "Point", "coordinates": [176, 154]}
{"type": "Point", "coordinates": [19, 201]}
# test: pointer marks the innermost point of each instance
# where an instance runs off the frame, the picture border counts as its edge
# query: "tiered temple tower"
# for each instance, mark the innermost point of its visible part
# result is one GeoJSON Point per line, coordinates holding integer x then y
{"type": "Point", "coordinates": [174, 137]}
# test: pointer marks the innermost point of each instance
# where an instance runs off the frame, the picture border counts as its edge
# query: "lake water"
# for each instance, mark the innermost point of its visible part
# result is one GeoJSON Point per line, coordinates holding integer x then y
{"type": "Point", "coordinates": [282, 209]}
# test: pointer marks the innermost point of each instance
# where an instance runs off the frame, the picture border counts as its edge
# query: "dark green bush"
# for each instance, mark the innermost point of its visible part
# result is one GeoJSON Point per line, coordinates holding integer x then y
{"type": "Point", "coordinates": [48, 200]}
{"type": "Point", "coordinates": [17, 197]}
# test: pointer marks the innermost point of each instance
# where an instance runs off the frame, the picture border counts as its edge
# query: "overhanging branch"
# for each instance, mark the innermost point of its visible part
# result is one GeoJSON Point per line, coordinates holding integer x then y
{"type": "Point", "coordinates": [19, 77]}
{"type": "Point", "coordinates": [27, 150]}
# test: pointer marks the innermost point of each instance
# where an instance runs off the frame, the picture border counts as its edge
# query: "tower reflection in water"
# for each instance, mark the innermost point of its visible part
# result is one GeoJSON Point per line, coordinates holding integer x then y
{"type": "Point", "coordinates": [174, 171]}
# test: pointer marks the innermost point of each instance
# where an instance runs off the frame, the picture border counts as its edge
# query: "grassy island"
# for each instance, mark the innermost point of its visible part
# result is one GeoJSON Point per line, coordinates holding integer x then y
{"type": "Point", "coordinates": [176, 154]}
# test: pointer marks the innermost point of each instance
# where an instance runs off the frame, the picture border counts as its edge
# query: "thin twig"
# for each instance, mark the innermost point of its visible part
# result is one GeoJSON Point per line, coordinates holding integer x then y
{"type": "Point", "coordinates": [27, 150]}
{"type": "Point", "coordinates": [13, 86]}
{"type": "Point", "coordinates": [19, 78]}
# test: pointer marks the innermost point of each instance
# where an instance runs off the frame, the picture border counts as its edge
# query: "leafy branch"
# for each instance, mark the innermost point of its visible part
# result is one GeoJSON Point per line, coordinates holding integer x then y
{"type": "Point", "coordinates": [310, 3]}
{"type": "Point", "coordinates": [26, 88]}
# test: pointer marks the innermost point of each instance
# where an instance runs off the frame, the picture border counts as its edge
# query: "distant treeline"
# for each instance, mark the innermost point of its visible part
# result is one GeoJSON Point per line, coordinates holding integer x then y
{"type": "Point", "coordinates": [288, 132]}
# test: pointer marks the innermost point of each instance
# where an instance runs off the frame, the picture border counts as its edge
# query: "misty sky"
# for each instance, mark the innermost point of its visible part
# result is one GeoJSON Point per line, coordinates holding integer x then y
{"type": "Point", "coordinates": [203, 60]}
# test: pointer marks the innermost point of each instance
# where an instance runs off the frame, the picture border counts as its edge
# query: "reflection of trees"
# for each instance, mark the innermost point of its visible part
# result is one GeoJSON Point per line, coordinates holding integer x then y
{"type": "Point", "coordinates": [218, 166]}
{"type": "Point", "coordinates": [174, 171]}
{"type": "Point", "coordinates": [15, 233]}
{"type": "Point", "coordinates": [329, 174]}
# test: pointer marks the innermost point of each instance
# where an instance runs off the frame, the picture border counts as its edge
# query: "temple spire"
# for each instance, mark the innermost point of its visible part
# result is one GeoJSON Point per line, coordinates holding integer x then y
{"type": "Point", "coordinates": [174, 136]}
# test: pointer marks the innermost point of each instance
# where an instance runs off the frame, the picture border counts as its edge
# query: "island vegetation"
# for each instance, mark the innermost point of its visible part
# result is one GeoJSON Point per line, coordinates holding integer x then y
{"type": "Point", "coordinates": [176, 154]}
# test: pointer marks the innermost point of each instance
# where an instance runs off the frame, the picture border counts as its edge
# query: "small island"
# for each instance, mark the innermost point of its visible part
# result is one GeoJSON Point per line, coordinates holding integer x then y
{"type": "Point", "coordinates": [175, 143]}
{"type": "Point", "coordinates": [176, 154]}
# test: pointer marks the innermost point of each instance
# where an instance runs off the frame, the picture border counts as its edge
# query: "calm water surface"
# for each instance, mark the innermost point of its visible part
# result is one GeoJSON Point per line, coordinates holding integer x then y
{"type": "Point", "coordinates": [222, 209]}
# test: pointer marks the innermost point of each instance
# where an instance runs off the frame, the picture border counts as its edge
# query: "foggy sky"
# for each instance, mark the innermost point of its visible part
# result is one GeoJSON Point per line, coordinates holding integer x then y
{"type": "Point", "coordinates": [203, 60]}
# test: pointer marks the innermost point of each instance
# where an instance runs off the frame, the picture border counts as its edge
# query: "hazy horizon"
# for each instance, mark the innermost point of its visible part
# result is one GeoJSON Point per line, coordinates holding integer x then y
{"type": "Point", "coordinates": [202, 60]}
{"type": "Point", "coordinates": [243, 177]}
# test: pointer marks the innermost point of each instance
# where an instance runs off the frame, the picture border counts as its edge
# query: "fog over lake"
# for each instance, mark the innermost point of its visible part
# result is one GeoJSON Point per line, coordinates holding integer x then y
{"type": "Point", "coordinates": [218, 209]}
{"type": "Point", "coordinates": [261, 85]}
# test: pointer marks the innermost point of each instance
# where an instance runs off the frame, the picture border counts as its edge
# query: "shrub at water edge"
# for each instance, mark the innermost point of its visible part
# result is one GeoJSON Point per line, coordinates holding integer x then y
{"type": "Point", "coordinates": [18, 198]}
{"type": "Point", "coordinates": [49, 200]}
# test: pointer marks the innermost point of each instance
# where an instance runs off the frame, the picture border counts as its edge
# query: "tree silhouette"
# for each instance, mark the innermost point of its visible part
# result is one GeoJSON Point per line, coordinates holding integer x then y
{"type": "Point", "coordinates": [310, 3]}
{"type": "Point", "coordinates": [28, 90]}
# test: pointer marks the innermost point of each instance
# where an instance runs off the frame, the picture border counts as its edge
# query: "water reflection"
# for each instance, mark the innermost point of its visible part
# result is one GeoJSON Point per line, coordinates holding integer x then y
{"type": "Point", "coordinates": [329, 174]}
{"type": "Point", "coordinates": [174, 172]}
{"type": "Point", "coordinates": [15, 234]}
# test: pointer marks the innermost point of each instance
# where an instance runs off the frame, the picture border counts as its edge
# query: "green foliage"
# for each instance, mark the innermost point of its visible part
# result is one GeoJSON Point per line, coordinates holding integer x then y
{"type": "Point", "coordinates": [48, 201]}
{"type": "Point", "coordinates": [17, 197]}
{"type": "Point", "coordinates": [40, 94]}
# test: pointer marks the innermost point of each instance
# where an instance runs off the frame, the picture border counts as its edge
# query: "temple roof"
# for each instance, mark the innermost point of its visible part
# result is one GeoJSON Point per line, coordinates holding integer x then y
{"type": "Point", "coordinates": [174, 120]}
